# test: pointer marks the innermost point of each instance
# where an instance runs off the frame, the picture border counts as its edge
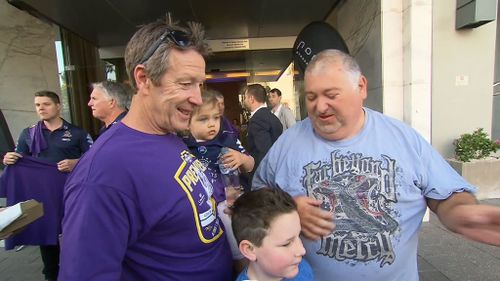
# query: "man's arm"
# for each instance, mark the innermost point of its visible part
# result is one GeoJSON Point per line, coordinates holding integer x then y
{"type": "Point", "coordinates": [86, 142]}
{"type": "Point", "coordinates": [235, 159]}
{"type": "Point", "coordinates": [67, 165]}
{"type": "Point", "coordinates": [22, 143]}
{"type": "Point", "coordinates": [314, 221]}
{"type": "Point", "coordinates": [262, 139]}
{"type": "Point", "coordinates": [96, 232]}
{"type": "Point", "coordinates": [10, 158]}
{"type": "Point", "coordinates": [462, 214]}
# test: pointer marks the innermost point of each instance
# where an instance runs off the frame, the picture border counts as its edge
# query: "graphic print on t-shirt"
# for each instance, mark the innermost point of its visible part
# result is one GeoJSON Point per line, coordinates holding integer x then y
{"type": "Point", "coordinates": [191, 177]}
{"type": "Point", "coordinates": [361, 191]}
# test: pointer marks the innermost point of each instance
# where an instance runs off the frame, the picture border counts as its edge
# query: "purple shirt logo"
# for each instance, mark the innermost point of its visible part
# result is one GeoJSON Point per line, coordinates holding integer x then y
{"type": "Point", "coordinates": [191, 177]}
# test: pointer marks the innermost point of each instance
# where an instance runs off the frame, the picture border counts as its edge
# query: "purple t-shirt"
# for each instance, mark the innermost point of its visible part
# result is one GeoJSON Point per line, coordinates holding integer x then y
{"type": "Point", "coordinates": [139, 207]}
{"type": "Point", "coordinates": [33, 178]}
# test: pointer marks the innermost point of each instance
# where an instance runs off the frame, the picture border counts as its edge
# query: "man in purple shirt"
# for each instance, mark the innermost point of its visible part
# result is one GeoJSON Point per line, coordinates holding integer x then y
{"type": "Point", "coordinates": [139, 205]}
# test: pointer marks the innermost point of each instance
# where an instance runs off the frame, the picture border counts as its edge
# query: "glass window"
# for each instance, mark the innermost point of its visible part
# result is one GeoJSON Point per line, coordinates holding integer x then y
{"type": "Point", "coordinates": [63, 82]}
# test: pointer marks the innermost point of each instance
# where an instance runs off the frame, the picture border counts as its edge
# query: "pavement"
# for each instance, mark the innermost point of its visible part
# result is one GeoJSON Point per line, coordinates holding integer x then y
{"type": "Point", "coordinates": [442, 256]}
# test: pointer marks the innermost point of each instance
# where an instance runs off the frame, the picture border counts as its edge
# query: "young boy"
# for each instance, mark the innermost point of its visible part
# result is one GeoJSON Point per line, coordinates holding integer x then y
{"type": "Point", "coordinates": [205, 141]}
{"type": "Point", "coordinates": [266, 225]}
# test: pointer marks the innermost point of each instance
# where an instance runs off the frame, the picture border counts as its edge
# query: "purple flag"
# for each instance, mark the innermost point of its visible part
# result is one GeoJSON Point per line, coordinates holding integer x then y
{"type": "Point", "coordinates": [34, 178]}
{"type": "Point", "coordinates": [38, 142]}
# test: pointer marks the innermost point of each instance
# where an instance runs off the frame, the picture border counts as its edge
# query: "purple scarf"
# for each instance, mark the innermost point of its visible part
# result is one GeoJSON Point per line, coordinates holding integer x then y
{"type": "Point", "coordinates": [38, 142]}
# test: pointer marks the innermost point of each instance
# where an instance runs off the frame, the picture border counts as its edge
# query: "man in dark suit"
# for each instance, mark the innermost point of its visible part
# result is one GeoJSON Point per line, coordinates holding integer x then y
{"type": "Point", "coordinates": [264, 127]}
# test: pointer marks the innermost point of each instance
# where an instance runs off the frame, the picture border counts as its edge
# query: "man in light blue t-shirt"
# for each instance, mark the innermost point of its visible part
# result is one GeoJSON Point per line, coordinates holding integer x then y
{"type": "Point", "coordinates": [362, 181]}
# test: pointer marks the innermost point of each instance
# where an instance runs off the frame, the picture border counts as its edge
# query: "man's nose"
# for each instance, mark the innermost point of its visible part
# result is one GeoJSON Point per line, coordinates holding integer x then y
{"type": "Point", "coordinates": [322, 104]}
{"type": "Point", "coordinates": [195, 96]}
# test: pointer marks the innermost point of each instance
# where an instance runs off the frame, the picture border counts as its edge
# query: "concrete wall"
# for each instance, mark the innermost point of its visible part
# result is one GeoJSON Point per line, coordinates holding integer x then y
{"type": "Point", "coordinates": [359, 23]}
{"type": "Point", "coordinates": [391, 41]}
{"type": "Point", "coordinates": [419, 68]}
{"type": "Point", "coordinates": [27, 64]}
{"type": "Point", "coordinates": [462, 77]}
{"type": "Point", "coordinates": [392, 58]}
{"type": "Point", "coordinates": [417, 65]}
{"type": "Point", "coordinates": [495, 130]}
{"type": "Point", "coordinates": [481, 173]}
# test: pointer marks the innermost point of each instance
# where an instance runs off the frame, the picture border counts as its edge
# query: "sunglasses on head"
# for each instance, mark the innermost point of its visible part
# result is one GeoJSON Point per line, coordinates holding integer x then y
{"type": "Point", "coordinates": [179, 38]}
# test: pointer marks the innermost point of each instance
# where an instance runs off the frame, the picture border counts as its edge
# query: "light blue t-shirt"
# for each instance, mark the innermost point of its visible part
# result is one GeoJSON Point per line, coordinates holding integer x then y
{"type": "Point", "coordinates": [376, 183]}
{"type": "Point", "coordinates": [305, 273]}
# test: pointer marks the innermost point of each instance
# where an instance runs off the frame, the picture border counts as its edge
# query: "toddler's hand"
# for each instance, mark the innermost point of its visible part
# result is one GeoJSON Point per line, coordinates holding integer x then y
{"type": "Point", "coordinates": [233, 159]}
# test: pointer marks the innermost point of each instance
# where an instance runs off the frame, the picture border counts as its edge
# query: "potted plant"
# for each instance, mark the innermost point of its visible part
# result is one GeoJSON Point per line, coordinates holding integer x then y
{"type": "Point", "coordinates": [476, 161]}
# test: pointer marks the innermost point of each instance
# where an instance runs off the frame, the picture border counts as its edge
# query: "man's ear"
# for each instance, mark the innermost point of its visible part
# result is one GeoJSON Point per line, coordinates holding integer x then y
{"type": "Point", "coordinates": [363, 86]}
{"type": "Point", "coordinates": [112, 102]}
{"type": "Point", "coordinates": [141, 79]}
{"type": "Point", "coordinates": [248, 250]}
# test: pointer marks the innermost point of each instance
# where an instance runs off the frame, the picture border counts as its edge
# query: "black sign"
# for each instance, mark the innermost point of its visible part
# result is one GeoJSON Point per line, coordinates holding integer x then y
{"type": "Point", "coordinates": [314, 38]}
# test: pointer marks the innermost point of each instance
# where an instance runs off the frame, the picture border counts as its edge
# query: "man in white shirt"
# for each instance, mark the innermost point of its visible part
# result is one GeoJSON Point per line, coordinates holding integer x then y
{"type": "Point", "coordinates": [284, 114]}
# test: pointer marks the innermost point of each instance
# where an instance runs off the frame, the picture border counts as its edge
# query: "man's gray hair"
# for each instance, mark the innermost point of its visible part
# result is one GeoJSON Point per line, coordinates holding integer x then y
{"type": "Point", "coordinates": [119, 92]}
{"type": "Point", "coordinates": [157, 64]}
{"type": "Point", "coordinates": [324, 59]}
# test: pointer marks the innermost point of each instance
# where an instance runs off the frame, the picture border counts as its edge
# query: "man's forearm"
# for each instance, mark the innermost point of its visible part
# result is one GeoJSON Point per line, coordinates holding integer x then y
{"type": "Point", "coordinates": [444, 208]}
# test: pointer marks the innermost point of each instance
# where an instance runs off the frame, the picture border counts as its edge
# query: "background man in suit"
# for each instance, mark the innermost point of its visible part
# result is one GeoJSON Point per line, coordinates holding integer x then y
{"type": "Point", "coordinates": [264, 127]}
{"type": "Point", "coordinates": [284, 114]}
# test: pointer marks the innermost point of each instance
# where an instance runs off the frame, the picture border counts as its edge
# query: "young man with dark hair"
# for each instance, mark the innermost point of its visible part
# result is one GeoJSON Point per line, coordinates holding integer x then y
{"type": "Point", "coordinates": [281, 111]}
{"type": "Point", "coordinates": [55, 145]}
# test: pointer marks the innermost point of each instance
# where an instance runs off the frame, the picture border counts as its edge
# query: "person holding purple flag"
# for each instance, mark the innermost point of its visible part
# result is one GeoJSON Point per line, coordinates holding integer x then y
{"type": "Point", "coordinates": [55, 145]}
{"type": "Point", "coordinates": [139, 205]}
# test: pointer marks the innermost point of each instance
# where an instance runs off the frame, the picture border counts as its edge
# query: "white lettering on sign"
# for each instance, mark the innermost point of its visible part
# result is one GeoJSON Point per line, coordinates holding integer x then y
{"type": "Point", "coordinates": [229, 45]}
